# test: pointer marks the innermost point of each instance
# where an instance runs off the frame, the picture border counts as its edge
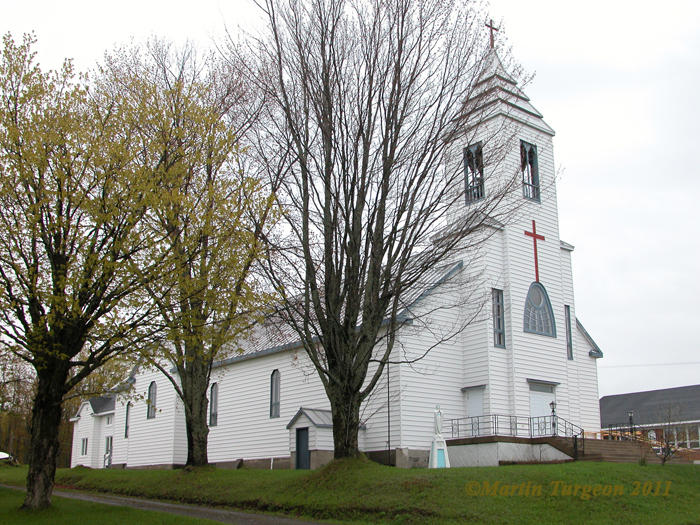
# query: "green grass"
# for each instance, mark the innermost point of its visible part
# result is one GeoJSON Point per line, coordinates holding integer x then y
{"type": "Point", "coordinates": [365, 492]}
{"type": "Point", "coordinates": [70, 512]}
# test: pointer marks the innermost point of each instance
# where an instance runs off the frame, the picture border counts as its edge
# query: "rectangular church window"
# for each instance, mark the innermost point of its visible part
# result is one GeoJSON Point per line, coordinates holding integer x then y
{"type": "Point", "coordinates": [126, 420]}
{"type": "Point", "coordinates": [84, 447]}
{"type": "Point", "coordinates": [214, 405]}
{"type": "Point", "coordinates": [275, 394]}
{"type": "Point", "coordinates": [474, 172]}
{"type": "Point", "coordinates": [499, 319]}
{"type": "Point", "coordinates": [569, 342]}
{"type": "Point", "coordinates": [151, 401]}
{"type": "Point", "coordinates": [531, 177]}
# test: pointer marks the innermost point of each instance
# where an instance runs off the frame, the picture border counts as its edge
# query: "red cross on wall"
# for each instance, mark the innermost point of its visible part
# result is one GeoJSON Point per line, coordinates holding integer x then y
{"type": "Point", "coordinates": [535, 238]}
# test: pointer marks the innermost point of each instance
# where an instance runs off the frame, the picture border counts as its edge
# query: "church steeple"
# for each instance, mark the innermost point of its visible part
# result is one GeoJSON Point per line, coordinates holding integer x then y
{"type": "Point", "coordinates": [496, 93]}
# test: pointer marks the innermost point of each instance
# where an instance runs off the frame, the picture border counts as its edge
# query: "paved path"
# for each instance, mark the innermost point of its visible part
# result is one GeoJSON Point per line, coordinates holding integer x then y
{"type": "Point", "coordinates": [193, 511]}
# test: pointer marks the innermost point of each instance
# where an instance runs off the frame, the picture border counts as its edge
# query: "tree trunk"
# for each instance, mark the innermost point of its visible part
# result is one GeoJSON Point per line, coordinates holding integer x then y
{"type": "Point", "coordinates": [197, 434]}
{"type": "Point", "coordinates": [345, 407]}
{"type": "Point", "coordinates": [195, 383]}
{"type": "Point", "coordinates": [46, 418]}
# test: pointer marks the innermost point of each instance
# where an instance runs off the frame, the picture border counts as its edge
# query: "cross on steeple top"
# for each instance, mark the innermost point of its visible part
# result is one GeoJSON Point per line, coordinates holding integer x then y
{"type": "Point", "coordinates": [492, 28]}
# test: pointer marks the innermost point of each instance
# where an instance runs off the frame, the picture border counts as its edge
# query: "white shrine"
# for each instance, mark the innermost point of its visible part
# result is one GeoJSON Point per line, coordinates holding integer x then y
{"type": "Point", "coordinates": [524, 369]}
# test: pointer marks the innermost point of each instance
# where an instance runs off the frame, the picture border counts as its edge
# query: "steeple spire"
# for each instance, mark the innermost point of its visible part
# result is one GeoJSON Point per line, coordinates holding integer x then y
{"type": "Point", "coordinates": [496, 92]}
{"type": "Point", "coordinates": [492, 28]}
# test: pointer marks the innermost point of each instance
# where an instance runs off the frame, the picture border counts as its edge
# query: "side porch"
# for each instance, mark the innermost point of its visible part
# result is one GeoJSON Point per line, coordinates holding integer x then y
{"type": "Point", "coordinates": [493, 440]}
{"type": "Point", "coordinates": [497, 439]}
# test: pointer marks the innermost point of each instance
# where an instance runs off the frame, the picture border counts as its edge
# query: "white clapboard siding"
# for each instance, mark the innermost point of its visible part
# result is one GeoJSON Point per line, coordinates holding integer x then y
{"type": "Point", "coordinates": [96, 447]}
{"type": "Point", "coordinates": [498, 394]}
{"type": "Point", "coordinates": [588, 380]}
{"type": "Point", "coordinates": [245, 428]}
{"type": "Point", "coordinates": [382, 405]}
{"type": "Point", "coordinates": [573, 366]}
{"type": "Point", "coordinates": [151, 441]}
{"type": "Point", "coordinates": [435, 379]}
{"type": "Point", "coordinates": [83, 428]}
{"type": "Point", "coordinates": [120, 445]}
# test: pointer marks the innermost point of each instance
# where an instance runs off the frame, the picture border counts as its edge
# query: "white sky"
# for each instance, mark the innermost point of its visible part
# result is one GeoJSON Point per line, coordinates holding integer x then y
{"type": "Point", "coordinates": [618, 81]}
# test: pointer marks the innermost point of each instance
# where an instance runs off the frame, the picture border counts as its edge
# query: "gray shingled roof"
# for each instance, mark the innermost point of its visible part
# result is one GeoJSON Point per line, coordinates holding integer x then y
{"type": "Point", "coordinates": [102, 404]}
{"type": "Point", "coordinates": [595, 349]}
{"type": "Point", "coordinates": [654, 406]}
{"type": "Point", "coordinates": [496, 92]}
{"type": "Point", "coordinates": [274, 335]}
{"type": "Point", "coordinates": [319, 418]}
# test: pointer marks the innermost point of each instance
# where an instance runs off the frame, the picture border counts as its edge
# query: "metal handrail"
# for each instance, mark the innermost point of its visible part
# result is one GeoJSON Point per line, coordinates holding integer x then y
{"type": "Point", "coordinates": [518, 426]}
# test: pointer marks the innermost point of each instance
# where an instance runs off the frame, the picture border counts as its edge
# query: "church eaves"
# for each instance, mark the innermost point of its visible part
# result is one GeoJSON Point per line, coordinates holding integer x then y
{"type": "Point", "coordinates": [595, 349]}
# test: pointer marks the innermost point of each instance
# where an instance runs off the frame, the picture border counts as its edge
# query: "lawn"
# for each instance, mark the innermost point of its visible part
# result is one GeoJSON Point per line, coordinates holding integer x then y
{"type": "Point", "coordinates": [69, 512]}
{"type": "Point", "coordinates": [362, 491]}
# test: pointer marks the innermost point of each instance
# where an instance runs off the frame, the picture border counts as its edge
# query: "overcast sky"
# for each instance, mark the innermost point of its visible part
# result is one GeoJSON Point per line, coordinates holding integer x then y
{"type": "Point", "coordinates": [617, 80]}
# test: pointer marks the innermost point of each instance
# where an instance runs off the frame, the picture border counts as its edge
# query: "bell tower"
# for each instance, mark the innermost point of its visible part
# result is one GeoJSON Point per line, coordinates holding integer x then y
{"type": "Point", "coordinates": [525, 353]}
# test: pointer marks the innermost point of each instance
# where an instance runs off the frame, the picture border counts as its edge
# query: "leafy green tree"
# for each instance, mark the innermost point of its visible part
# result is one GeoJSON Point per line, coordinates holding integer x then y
{"type": "Point", "coordinates": [209, 210]}
{"type": "Point", "coordinates": [72, 203]}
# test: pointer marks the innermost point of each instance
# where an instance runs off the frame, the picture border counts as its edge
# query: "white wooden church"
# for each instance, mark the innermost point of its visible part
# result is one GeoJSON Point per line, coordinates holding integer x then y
{"type": "Point", "coordinates": [528, 358]}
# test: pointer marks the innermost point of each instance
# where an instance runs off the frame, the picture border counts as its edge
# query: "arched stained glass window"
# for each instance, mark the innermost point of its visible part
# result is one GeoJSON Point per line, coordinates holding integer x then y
{"type": "Point", "coordinates": [539, 318]}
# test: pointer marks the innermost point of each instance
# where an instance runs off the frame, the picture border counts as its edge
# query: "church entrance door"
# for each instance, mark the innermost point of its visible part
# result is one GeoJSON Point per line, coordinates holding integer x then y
{"type": "Point", "coordinates": [541, 395]}
{"type": "Point", "coordinates": [539, 403]}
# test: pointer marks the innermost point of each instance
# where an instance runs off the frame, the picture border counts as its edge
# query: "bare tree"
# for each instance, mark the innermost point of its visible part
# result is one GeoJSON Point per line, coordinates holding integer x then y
{"type": "Point", "coordinates": [366, 100]}
{"type": "Point", "coordinates": [669, 416]}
